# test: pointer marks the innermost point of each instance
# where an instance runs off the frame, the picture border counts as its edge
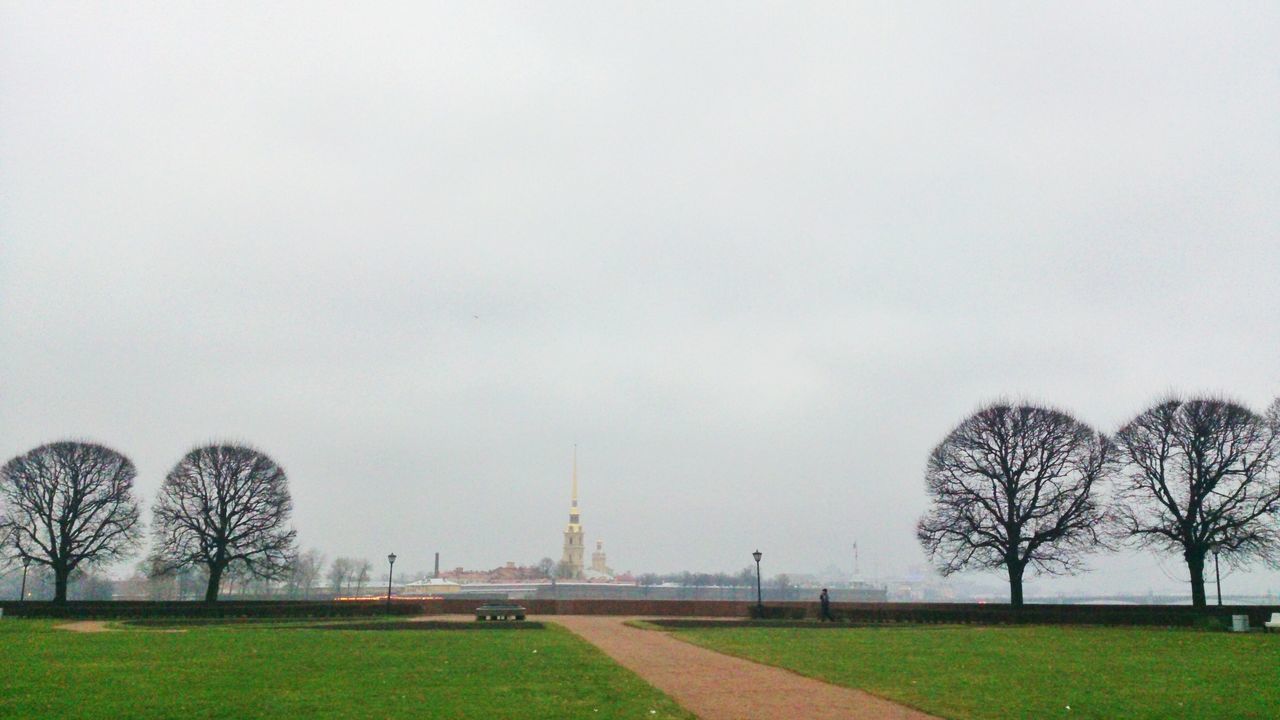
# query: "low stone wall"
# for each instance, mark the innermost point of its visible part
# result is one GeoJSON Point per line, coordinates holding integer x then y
{"type": "Point", "coordinates": [80, 609]}
{"type": "Point", "coordinates": [888, 613]}
{"type": "Point", "coordinates": [862, 613]}
{"type": "Point", "coordinates": [652, 608]}
{"type": "Point", "coordinates": [1047, 614]}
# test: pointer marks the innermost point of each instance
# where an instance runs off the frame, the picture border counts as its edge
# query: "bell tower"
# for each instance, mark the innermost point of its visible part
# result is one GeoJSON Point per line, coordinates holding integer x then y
{"type": "Point", "coordinates": [573, 547]}
{"type": "Point", "coordinates": [599, 563]}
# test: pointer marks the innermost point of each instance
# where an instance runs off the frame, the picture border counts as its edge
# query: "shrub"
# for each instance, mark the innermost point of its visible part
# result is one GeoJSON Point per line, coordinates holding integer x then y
{"type": "Point", "coordinates": [773, 612]}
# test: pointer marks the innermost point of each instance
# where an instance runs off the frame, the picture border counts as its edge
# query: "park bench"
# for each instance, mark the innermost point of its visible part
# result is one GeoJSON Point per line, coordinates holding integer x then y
{"type": "Point", "coordinates": [1273, 623]}
{"type": "Point", "coordinates": [500, 611]}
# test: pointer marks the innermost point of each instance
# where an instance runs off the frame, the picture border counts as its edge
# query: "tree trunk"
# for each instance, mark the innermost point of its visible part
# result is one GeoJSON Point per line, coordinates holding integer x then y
{"type": "Point", "coordinates": [1015, 584]}
{"type": "Point", "coordinates": [60, 584]}
{"type": "Point", "coordinates": [215, 578]}
{"type": "Point", "coordinates": [1195, 565]}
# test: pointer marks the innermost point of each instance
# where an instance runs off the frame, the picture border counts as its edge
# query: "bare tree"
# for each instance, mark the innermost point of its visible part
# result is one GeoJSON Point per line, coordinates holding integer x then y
{"type": "Point", "coordinates": [224, 504]}
{"type": "Point", "coordinates": [88, 585]}
{"type": "Point", "coordinates": [304, 572]}
{"type": "Point", "coordinates": [1199, 474]}
{"type": "Point", "coordinates": [783, 583]}
{"type": "Point", "coordinates": [564, 570]}
{"type": "Point", "coordinates": [340, 571]}
{"type": "Point", "coordinates": [361, 571]}
{"type": "Point", "coordinates": [1015, 487]}
{"type": "Point", "coordinates": [191, 581]}
{"type": "Point", "coordinates": [68, 504]}
{"type": "Point", "coordinates": [238, 581]}
{"type": "Point", "coordinates": [156, 587]}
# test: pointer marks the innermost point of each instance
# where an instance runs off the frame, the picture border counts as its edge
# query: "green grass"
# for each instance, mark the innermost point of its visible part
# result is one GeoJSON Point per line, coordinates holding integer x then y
{"type": "Point", "coordinates": [1030, 672]}
{"type": "Point", "coordinates": [251, 671]}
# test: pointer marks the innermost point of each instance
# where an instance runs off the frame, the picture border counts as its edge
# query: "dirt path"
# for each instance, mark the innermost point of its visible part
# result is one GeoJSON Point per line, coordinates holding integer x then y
{"type": "Point", "coordinates": [85, 626]}
{"type": "Point", "coordinates": [719, 687]}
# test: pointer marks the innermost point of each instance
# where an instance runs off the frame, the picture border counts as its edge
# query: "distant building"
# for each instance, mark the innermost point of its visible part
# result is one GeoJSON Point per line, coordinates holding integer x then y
{"type": "Point", "coordinates": [599, 568]}
{"type": "Point", "coordinates": [508, 573]}
{"type": "Point", "coordinates": [430, 586]}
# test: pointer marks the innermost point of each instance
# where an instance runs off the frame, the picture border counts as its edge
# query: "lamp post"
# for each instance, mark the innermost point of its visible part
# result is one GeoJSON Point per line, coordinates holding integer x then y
{"type": "Point", "coordinates": [759, 598]}
{"type": "Point", "coordinates": [391, 564]}
{"type": "Point", "coordinates": [22, 594]}
{"type": "Point", "coordinates": [1216, 576]}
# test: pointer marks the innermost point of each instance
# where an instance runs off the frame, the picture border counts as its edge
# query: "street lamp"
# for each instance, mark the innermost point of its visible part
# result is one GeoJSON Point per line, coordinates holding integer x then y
{"type": "Point", "coordinates": [759, 599]}
{"type": "Point", "coordinates": [22, 594]}
{"type": "Point", "coordinates": [391, 562]}
{"type": "Point", "coordinates": [1216, 576]}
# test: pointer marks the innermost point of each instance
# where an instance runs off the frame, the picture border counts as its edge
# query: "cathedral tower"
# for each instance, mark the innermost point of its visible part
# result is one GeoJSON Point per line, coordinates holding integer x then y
{"type": "Point", "coordinates": [573, 548]}
{"type": "Point", "coordinates": [599, 565]}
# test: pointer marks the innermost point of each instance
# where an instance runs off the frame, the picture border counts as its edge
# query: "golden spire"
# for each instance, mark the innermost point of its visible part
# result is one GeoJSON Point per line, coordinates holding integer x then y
{"type": "Point", "coordinates": [573, 507]}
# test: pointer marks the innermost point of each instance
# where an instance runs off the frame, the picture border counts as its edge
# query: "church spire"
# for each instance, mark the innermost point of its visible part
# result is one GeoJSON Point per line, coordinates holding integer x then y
{"type": "Point", "coordinates": [571, 563]}
{"type": "Point", "coordinates": [573, 507]}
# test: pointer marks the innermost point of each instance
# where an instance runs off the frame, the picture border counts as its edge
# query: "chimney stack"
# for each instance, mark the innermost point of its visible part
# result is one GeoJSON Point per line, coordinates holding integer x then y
{"type": "Point", "coordinates": [436, 574]}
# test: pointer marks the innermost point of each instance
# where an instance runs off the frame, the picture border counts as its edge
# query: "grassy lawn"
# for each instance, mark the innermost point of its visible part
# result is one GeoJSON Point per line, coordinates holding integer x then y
{"type": "Point", "coordinates": [221, 671]}
{"type": "Point", "coordinates": [1030, 672]}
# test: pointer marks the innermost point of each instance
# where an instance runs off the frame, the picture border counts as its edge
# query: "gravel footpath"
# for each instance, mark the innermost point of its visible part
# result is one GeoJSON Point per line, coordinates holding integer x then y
{"type": "Point", "coordinates": [720, 687]}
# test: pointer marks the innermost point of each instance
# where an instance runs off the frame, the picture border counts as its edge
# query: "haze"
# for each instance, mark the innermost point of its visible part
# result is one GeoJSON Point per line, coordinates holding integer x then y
{"type": "Point", "coordinates": [755, 260]}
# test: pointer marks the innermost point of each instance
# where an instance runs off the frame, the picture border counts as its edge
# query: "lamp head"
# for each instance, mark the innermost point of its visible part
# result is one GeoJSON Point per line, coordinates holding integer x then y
{"type": "Point", "coordinates": [757, 555]}
{"type": "Point", "coordinates": [391, 559]}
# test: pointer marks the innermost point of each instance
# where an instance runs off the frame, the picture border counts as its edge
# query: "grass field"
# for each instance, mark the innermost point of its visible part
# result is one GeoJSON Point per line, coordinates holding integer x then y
{"type": "Point", "coordinates": [221, 671]}
{"type": "Point", "coordinates": [1030, 672]}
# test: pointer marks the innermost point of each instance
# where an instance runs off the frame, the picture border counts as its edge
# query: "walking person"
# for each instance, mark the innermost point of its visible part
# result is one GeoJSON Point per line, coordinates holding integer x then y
{"type": "Point", "coordinates": [825, 600]}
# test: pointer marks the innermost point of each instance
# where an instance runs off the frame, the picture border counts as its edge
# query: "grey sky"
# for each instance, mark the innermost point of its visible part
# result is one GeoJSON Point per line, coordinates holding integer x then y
{"type": "Point", "coordinates": [755, 260]}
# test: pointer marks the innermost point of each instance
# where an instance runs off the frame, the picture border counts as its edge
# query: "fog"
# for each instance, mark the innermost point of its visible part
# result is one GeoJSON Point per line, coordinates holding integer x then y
{"type": "Point", "coordinates": [754, 260]}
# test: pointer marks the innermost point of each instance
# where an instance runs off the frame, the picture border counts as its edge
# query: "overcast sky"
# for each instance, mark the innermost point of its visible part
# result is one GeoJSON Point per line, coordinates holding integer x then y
{"type": "Point", "coordinates": [754, 260]}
